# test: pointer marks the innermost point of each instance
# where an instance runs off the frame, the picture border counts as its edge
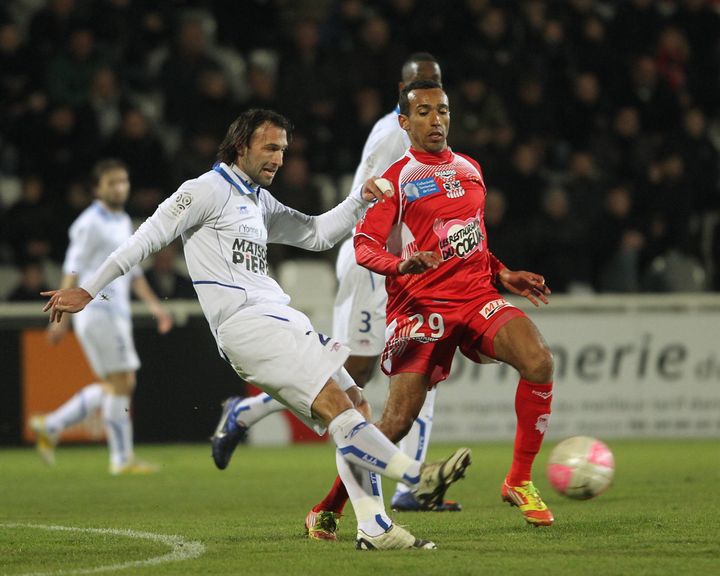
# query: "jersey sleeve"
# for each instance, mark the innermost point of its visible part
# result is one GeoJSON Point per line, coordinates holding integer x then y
{"type": "Point", "coordinates": [373, 231]}
{"type": "Point", "coordinates": [288, 226]}
{"type": "Point", "coordinates": [78, 252]}
{"type": "Point", "coordinates": [380, 151]}
{"type": "Point", "coordinates": [495, 266]}
{"type": "Point", "coordinates": [191, 205]}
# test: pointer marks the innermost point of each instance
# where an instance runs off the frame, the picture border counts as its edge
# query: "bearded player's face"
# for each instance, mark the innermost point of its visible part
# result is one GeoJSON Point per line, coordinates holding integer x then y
{"type": "Point", "coordinates": [428, 120]}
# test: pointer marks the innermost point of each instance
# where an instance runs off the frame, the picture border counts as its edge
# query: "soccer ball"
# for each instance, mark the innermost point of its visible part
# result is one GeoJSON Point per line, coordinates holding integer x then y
{"type": "Point", "coordinates": [581, 467]}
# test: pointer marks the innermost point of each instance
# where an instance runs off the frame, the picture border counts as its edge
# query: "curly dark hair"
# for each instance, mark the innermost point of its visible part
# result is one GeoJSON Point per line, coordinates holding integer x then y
{"type": "Point", "coordinates": [241, 130]}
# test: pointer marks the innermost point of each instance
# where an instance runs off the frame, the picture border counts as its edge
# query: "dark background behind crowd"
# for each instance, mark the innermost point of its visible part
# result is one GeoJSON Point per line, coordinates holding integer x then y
{"type": "Point", "coordinates": [596, 122]}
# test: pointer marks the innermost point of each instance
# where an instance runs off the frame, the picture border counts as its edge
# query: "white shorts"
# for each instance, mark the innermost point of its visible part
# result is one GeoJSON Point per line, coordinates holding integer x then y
{"type": "Point", "coordinates": [107, 340]}
{"type": "Point", "coordinates": [275, 348]}
{"type": "Point", "coordinates": [359, 311]}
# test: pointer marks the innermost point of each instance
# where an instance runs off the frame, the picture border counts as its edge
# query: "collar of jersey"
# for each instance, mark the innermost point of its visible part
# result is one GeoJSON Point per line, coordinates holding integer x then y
{"type": "Point", "coordinates": [230, 174]}
{"type": "Point", "coordinates": [104, 212]}
{"type": "Point", "coordinates": [432, 157]}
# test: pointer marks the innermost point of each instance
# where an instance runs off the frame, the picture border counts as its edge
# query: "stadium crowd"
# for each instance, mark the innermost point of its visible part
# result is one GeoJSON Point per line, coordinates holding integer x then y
{"type": "Point", "coordinates": [596, 122]}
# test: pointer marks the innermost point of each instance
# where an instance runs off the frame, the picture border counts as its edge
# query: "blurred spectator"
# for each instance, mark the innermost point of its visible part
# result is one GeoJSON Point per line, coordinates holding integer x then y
{"type": "Point", "coordinates": [56, 144]}
{"type": "Point", "coordinates": [558, 244]}
{"type": "Point", "coordinates": [262, 81]}
{"type": "Point", "coordinates": [236, 28]}
{"type": "Point", "coordinates": [71, 71]}
{"type": "Point", "coordinates": [701, 159]}
{"type": "Point", "coordinates": [586, 112]}
{"type": "Point", "coordinates": [672, 57]}
{"type": "Point", "coordinates": [32, 282]}
{"type": "Point", "coordinates": [525, 183]}
{"type": "Point", "coordinates": [214, 108]}
{"type": "Point", "coordinates": [623, 150]}
{"type": "Point", "coordinates": [196, 156]}
{"type": "Point", "coordinates": [25, 225]}
{"type": "Point", "coordinates": [188, 57]}
{"type": "Point", "coordinates": [616, 242]}
{"type": "Point", "coordinates": [505, 239]}
{"type": "Point", "coordinates": [636, 26]}
{"type": "Point", "coordinates": [477, 110]}
{"type": "Point", "coordinates": [649, 93]}
{"type": "Point", "coordinates": [50, 26]}
{"type": "Point", "coordinates": [141, 150]}
{"type": "Point", "coordinates": [105, 102]}
{"type": "Point", "coordinates": [164, 277]}
{"type": "Point", "coordinates": [584, 186]}
{"type": "Point", "coordinates": [531, 113]}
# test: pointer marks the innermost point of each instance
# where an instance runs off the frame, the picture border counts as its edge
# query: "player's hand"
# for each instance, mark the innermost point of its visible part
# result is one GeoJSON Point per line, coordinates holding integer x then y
{"type": "Point", "coordinates": [528, 284]}
{"type": "Point", "coordinates": [66, 300]}
{"type": "Point", "coordinates": [56, 332]}
{"type": "Point", "coordinates": [377, 189]}
{"type": "Point", "coordinates": [419, 263]}
{"type": "Point", "coordinates": [164, 321]}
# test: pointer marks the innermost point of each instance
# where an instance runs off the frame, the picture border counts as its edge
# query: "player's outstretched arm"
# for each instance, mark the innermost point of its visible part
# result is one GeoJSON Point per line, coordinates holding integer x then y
{"type": "Point", "coordinates": [528, 284]}
{"type": "Point", "coordinates": [65, 300]}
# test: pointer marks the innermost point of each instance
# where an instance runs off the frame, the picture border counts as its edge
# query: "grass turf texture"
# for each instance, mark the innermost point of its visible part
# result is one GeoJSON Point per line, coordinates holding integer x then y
{"type": "Point", "coordinates": [660, 516]}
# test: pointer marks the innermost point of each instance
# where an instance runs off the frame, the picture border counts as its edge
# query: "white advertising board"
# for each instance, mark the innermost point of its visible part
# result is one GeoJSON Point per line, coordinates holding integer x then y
{"type": "Point", "coordinates": [618, 373]}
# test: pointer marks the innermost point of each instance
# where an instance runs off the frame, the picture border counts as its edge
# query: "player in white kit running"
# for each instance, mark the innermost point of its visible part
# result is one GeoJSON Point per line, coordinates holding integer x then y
{"type": "Point", "coordinates": [226, 218]}
{"type": "Point", "coordinates": [104, 328]}
{"type": "Point", "coordinates": [359, 323]}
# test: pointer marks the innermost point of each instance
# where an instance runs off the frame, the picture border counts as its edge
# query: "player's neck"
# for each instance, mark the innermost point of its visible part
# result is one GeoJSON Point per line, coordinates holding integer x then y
{"type": "Point", "coordinates": [111, 208]}
{"type": "Point", "coordinates": [427, 157]}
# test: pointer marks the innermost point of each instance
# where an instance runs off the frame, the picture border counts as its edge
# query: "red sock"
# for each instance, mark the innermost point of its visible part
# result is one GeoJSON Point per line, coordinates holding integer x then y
{"type": "Point", "coordinates": [335, 499]}
{"type": "Point", "coordinates": [532, 406]}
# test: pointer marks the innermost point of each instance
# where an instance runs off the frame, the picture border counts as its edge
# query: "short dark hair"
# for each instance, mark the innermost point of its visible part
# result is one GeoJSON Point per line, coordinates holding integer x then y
{"type": "Point", "coordinates": [241, 130]}
{"type": "Point", "coordinates": [101, 167]}
{"type": "Point", "coordinates": [415, 58]}
{"type": "Point", "coordinates": [418, 85]}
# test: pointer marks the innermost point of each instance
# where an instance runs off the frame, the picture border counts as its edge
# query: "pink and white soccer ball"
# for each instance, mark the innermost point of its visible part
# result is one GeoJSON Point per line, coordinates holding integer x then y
{"type": "Point", "coordinates": [581, 467]}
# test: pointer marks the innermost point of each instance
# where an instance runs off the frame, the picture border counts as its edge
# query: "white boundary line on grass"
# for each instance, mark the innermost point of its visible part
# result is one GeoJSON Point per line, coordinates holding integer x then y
{"type": "Point", "coordinates": [181, 549]}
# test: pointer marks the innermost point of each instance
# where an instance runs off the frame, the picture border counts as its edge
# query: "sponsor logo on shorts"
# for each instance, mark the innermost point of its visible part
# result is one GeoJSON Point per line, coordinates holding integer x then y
{"type": "Point", "coordinates": [492, 307]}
{"type": "Point", "coordinates": [542, 423]}
{"type": "Point", "coordinates": [417, 189]}
{"type": "Point", "coordinates": [459, 238]}
{"type": "Point", "coordinates": [251, 255]}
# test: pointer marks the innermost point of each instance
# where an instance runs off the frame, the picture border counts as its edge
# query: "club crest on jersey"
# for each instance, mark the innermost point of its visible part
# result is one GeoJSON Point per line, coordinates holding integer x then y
{"type": "Point", "coordinates": [459, 238]}
{"type": "Point", "coordinates": [417, 189]}
{"type": "Point", "coordinates": [453, 188]}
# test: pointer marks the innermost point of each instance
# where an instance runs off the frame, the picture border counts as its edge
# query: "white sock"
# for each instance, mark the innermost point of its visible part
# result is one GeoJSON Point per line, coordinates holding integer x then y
{"type": "Point", "coordinates": [362, 444]}
{"type": "Point", "coordinates": [255, 408]}
{"type": "Point", "coordinates": [416, 443]}
{"type": "Point", "coordinates": [118, 427]}
{"type": "Point", "coordinates": [77, 408]}
{"type": "Point", "coordinates": [364, 489]}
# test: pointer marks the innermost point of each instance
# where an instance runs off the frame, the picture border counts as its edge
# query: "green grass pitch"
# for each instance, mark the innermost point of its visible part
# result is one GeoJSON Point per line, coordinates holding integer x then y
{"type": "Point", "coordinates": [661, 516]}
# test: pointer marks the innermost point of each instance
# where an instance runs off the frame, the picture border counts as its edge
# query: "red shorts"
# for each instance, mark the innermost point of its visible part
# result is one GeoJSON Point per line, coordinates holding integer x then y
{"type": "Point", "coordinates": [425, 340]}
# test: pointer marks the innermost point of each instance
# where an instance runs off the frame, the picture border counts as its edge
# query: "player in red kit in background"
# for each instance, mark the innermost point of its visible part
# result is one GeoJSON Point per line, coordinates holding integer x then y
{"type": "Point", "coordinates": [429, 241]}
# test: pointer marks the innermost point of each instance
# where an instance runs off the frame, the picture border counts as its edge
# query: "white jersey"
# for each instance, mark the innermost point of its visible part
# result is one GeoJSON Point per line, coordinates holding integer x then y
{"type": "Point", "coordinates": [226, 223]}
{"type": "Point", "coordinates": [94, 235]}
{"type": "Point", "coordinates": [386, 143]}
{"type": "Point", "coordinates": [359, 310]}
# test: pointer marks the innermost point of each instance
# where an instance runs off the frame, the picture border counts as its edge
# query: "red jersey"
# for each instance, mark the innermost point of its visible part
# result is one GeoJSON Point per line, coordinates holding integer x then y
{"type": "Point", "coordinates": [438, 206]}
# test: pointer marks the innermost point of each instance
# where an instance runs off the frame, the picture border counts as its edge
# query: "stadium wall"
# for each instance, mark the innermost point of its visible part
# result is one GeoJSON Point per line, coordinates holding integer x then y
{"type": "Point", "coordinates": [626, 366]}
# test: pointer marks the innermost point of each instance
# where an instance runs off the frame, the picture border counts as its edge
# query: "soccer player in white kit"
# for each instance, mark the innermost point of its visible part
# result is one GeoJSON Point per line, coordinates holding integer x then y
{"type": "Point", "coordinates": [226, 218]}
{"type": "Point", "coordinates": [359, 323]}
{"type": "Point", "coordinates": [104, 328]}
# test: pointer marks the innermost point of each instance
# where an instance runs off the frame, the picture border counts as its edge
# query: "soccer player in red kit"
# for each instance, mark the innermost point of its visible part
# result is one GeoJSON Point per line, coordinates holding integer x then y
{"type": "Point", "coordinates": [429, 241]}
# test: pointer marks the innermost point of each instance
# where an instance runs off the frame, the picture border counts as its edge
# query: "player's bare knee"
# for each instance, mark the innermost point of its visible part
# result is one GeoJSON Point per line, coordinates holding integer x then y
{"type": "Point", "coordinates": [539, 366]}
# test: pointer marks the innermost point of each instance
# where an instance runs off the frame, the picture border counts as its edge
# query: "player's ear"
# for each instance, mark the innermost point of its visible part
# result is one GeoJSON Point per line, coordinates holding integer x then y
{"type": "Point", "coordinates": [404, 122]}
